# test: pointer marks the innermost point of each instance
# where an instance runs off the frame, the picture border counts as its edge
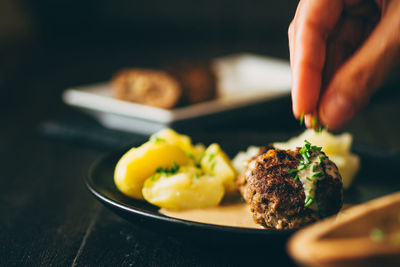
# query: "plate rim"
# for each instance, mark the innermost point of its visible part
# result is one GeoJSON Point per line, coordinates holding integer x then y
{"type": "Point", "coordinates": [163, 218]}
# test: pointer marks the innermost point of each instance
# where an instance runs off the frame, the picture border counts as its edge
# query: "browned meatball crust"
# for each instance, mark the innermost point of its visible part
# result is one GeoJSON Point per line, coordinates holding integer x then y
{"type": "Point", "coordinates": [182, 84]}
{"type": "Point", "coordinates": [277, 198]}
{"type": "Point", "coordinates": [198, 81]}
{"type": "Point", "coordinates": [149, 87]}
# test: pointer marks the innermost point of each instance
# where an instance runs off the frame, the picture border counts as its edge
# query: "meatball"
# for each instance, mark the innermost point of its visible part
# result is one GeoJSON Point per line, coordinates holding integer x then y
{"type": "Point", "coordinates": [149, 87]}
{"type": "Point", "coordinates": [182, 84]}
{"type": "Point", "coordinates": [287, 189]}
{"type": "Point", "coordinates": [198, 81]}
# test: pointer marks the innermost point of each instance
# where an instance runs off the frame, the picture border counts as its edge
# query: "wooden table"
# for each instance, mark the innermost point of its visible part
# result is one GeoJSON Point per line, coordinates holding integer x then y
{"type": "Point", "coordinates": [49, 218]}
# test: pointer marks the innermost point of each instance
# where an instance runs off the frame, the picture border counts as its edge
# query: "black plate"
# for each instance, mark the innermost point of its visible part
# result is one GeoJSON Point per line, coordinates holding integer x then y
{"type": "Point", "coordinates": [101, 183]}
{"type": "Point", "coordinates": [375, 179]}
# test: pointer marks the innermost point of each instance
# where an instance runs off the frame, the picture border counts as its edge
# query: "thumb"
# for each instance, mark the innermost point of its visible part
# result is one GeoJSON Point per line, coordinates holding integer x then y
{"type": "Point", "coordinates": [352, 86]}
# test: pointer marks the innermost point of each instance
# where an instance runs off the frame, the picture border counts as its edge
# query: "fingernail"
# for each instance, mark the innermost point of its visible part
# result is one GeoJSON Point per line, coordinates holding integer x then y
{"type": "Point", "coordinates": [336, 110]}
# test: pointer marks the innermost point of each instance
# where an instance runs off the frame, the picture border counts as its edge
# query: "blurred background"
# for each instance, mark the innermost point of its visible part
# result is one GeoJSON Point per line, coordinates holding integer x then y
{"type": "Point", "coordinates": [47, 46]}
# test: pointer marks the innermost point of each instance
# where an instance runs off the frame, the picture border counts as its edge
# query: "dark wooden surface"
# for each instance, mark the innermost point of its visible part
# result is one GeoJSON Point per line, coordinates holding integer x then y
{"type": "Point", "coordinates": [49, 218]}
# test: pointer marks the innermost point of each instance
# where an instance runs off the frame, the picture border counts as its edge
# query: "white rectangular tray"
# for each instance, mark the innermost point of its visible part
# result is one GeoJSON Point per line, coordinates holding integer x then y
{"type": "Point", "coordinates": [243, 80]}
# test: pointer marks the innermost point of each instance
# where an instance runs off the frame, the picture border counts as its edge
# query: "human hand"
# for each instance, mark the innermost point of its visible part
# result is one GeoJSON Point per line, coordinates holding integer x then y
{"type": "Point", "coordinates": [340, 52]}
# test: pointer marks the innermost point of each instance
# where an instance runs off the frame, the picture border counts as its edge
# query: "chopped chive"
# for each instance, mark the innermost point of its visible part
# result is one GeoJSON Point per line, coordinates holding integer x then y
{"type": "Point", "coordinates": [309, 179]}
{"type": "Point", "coordinates": [213, 165]}
{"type": "Point", "coordinates": [314, 121]}
{"type": "Point", "coordinates": [318, 174]}
{"type": "Point", "coordinates": [190, 155]}
{"type": "Point", "coordinates": [313, 168]}
{"type": "Point", "coordinates": [302, 167]}
{"type": "Point", "coordinates": [293, 171]}
{"type": "Point", "coordinates": [306, 159]}
{"type": "Point", "coordinates": [296, 177]}
{"type": "Point", "coordinates": [319, 129]}
{"type": "Point", "coordinates": [308, 201]}
{"type": "Point", "coordinates": [310, 191]}
{"type": "Point", "coordinates": [202, 156]}
{"type": "Point", "coordinates": [397, 239]}
{"type": "Point", "coordinates": [307, 142]}
{"type": "Point", "coordinates": [316, 148]}
{"type": "Point", "coordinates": [174, 168]}
{"type": "Point", "coordinates": [308, 154]}
{"type": "Point", "coordinates": [377, 235]}
{"type": "Point", "coordinates": [302, 119]}
{"type": "Point", "coordinates": [157, 139]}
{"type": "Point", "coordinates": [210, 158]}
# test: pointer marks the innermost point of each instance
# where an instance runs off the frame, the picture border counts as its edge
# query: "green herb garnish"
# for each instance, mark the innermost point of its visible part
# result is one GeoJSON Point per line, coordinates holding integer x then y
{"type": "Point", "coordinates": [213, 165]}
{"type": "Point", "coordinates": [302, 167]}
{"type": "Point", "coordinates": [318, 174]}
{"type": "Point", "coordinates": [157, 139]}
{"type": "Point", "coordinates": [309, 179]}
{"type": "Point", "coordinates": [308, 201]}
{"type": "Point", "coordinates": [397, 238]}
{"type": "Point", "coordinates": [196, 175]}
{"type": "Point", "coordinates": [168, 171]}
{"type": "Point", "coordinates": [174, 168]}
{"type": "Point", "coordinates": [319, 129]}
{"type": "Point", "coordinates": [314, 121]}
{"type": "Point", "coordinates": [293, 170]}
{"type": "Point", "coordinates": [377, 235]}
{"type": "Point", "coordinates": [302, 119]}
{"type": "Point", "coordinates": [190, 155]}
{"type": "Point", "coordinates": [306, 159]}
{"type": "Point", "coordinates": [316, 148]}
{"type": "Point", "coordinates": [210, 158]}
{"type": "Point", "coordinates": [313, 168]}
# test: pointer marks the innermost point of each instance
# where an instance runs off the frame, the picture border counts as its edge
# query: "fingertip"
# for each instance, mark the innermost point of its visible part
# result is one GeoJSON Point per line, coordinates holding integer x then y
{"type": "Point", "coordinates": [308, 121]}
{"type": "Point", "coordinates": [336, 109]}
{"type": "Point", "coordinates": [305, 90]}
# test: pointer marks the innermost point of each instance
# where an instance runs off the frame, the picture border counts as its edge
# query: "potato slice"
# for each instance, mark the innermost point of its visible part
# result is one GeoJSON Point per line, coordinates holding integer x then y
{"type": "Point", "coordinates": [216, 163]}
{"type": "Point", "coordinates": [183, 141]}
{"type": "Point", "coordinates": [140, 163]}
{"type": "Point", "coordinates": [331, 144]}
{"type": "Point", "coordinates": [187, 189]}
{"type": "Point", "coordinates": [348, 166]}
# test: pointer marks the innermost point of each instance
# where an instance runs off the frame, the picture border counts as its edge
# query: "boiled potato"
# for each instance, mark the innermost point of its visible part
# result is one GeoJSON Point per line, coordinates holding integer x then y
{"type": "Point", "coordinates": [216, 163]}
{"type": "Point", "coordinates": [140, 163]}
{"type": "Point", "coordinates": [348, 166]}
{"type": "Point", "coordinates": [186, 189]}
{"type": "Point", "coordinates": [331, 144]}
{"type": "Point", "coordinates": [183, 141]}
{"type": "Point", "coordinates": [239, 161]}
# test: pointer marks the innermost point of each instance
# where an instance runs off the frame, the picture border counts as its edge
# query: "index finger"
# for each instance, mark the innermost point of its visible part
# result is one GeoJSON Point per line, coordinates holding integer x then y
{"type": "Point", "coordinates": [313, 22]}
